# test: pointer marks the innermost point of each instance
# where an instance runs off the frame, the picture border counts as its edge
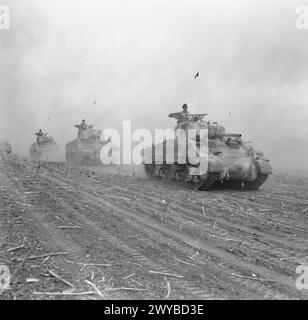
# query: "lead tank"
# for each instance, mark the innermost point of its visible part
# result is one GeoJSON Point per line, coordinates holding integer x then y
{"type": "Point", "coordinates": [45, 149]}
{"type": "Point", "coordinates": [85, 150]}
{"type": "Point", "coordinates": [204, 156]}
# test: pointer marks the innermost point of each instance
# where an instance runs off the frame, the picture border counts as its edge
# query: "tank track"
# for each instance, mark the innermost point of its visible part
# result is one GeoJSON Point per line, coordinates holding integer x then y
{"type": "Point", "coordinates": [180, 174]}
{"type": "Point", "coordinates": [244, 185]}
{"type": "Point", "coordinates": [257, 183]}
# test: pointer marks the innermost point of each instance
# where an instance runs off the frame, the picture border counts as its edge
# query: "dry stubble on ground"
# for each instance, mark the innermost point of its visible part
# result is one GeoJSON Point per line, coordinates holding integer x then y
{"type": "Point", "coordinates": [83, 234]}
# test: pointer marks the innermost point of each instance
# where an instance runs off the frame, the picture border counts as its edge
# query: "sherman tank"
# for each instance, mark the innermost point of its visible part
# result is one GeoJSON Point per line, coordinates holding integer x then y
{"type": "Point", "coordinates": [85, 150]}
{"type": "Point", "coordinates": [203, 155]}
{"type": "Point", "coordinates": [44, 149]}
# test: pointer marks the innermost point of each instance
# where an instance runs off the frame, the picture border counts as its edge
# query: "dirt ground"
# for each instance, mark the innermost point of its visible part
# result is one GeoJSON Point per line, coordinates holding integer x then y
{"type": "Point", "coordinates": [84, 234]}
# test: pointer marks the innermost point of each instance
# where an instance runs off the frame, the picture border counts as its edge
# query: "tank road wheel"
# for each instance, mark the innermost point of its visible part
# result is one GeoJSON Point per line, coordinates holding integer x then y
{"type": "Point", "coordinates": [209, 181]}
{"type": "Point", "coordinates": [203, 183]}
{"type": "Point", "coordinates": [231, 184]}
{"type": "Point", "coordinates": [162, 173]}
{"type": "Point", "coordinates": [151, 170]}
{"type": "Point", "coordinates": [148, 168]}
{"type": "Point", "coordinates": [179, 175]}
{"type": "Point", "coordinates": [255, 184]}
{"type": "Point", "coordinates": [165, 172]}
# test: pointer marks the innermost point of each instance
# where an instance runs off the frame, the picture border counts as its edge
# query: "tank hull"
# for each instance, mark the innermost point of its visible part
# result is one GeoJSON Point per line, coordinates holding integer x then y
{"type": "Point", "coordinates": [183, 161]}
{"type": "Point", "coordinates": [83, 153]}
{"type": "Point", "coordinates": [241, 168]}
{"type": "Point", "coordinates": [181, 174]}
{"type": "Point", "coordinates": [219, 163]}
{"type": "Point", "coordinates": [46, 152]}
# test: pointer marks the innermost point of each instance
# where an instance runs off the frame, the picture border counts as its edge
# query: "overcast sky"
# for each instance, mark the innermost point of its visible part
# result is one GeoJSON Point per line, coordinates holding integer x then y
{"type": "Point", "coordinates": [137, 60]}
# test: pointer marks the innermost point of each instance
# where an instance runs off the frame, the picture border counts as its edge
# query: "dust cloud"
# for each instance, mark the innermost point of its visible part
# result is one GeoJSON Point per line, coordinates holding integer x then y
{"type": "Point", "coordinates": [111, 60]}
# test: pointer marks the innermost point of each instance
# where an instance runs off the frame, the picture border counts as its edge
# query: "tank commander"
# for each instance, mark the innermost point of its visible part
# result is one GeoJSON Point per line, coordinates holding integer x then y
{"type": "Point", "coordinates": [184, 114]}
{"type": "Point", "coordinates": [82, 126]}
{"type": "Point", "coordinates": [39, 135]}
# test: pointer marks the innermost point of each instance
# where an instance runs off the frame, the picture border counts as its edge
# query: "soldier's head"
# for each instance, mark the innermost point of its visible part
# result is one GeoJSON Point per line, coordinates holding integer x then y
{"type": "Point", "coordinates": [40, 130]}
{"type": "Point", "coordinates": [83, 121]}
{"type": "Point", "coordinates": [184, 107]}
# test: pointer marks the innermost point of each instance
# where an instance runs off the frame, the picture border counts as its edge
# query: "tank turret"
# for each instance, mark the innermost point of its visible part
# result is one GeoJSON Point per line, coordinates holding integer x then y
{"type": "Point", "coordinates": [45, 139]}
{"type": "Point", "coordinates": [221, 135]}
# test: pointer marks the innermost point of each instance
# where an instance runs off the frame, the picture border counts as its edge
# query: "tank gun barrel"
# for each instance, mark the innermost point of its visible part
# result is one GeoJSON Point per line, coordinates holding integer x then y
{"type": "Point", "coordinates": [174, 115]}
{"type": "Point", "coordinates": [199, 114]}
{"type": "Point", "coordinates": [228, 135]}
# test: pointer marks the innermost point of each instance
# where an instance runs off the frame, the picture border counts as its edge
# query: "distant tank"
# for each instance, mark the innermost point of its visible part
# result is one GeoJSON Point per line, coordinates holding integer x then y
{"type": "Point", "coordinates": [5, 148]}
{"type": "Point", "coordinates": [85, 150]}
{"type": "Point", "coordinates": [44, 149]}
{"type": "Point", "coordinates": [227, 161]}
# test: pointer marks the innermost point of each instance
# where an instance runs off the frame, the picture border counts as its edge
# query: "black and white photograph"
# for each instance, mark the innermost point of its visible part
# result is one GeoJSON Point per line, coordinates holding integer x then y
{"type": "Point", "coordinates": [154, 150]}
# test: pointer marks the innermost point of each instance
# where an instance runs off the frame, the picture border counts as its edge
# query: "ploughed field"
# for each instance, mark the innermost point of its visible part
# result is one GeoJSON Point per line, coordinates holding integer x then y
{"type": "Point", "coordinates": [78, 233]}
